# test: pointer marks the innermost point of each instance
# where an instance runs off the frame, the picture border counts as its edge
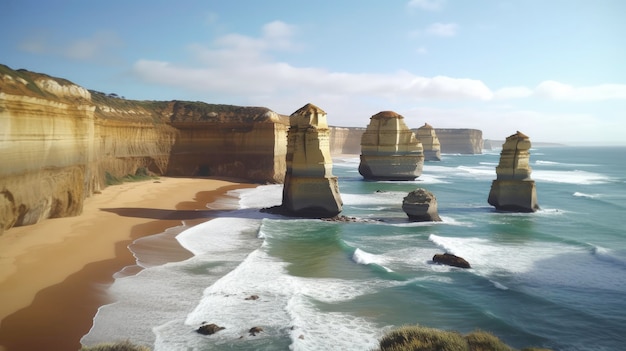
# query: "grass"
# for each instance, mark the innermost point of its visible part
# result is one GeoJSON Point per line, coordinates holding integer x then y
{"type": "Point", "coordinates": [418, 338]}
{"type": "Point", "coordinates": [119, 346]}
{"type": "Point", "coordinates": [141, 174]}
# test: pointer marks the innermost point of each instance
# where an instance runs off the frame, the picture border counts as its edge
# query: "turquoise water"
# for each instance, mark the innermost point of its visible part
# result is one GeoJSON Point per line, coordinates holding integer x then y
{"type": "Point", "coordinates": [555, 278]}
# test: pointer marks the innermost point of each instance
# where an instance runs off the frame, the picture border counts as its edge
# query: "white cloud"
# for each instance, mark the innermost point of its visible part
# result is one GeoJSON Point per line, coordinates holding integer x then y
{"type": "Point", "coordinates": [513, 92]}
{"type": "Point", "coordinates": [442, 29]}
{"type": "Point", "coordinates": [428, 5]}
{"type": "Point", "coordinates": [239, 64]}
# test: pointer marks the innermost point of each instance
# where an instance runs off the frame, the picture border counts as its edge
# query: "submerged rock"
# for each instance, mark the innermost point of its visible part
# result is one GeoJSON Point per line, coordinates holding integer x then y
{"type": "Point", "coordinates": [255, 330]}
{"type": "Point", "coordinates": [451, 260]}
{"type": "Point", "coordinates": [514, 190]}
{"type": "Point", "coordinates": [209, 329]}
{"type": "Point", "coordinates": [389, 149]}
{"type": "Point", "coordinates": [421, 206]}
{"type": "Point", "coordinates": [310, 188]}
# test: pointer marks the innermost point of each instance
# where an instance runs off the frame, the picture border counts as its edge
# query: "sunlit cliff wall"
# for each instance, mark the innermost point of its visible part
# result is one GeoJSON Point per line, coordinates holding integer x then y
{"type": "Point", "coordinates": [460, 141]}
{"type": "Point", "coordinates": [60, 143]}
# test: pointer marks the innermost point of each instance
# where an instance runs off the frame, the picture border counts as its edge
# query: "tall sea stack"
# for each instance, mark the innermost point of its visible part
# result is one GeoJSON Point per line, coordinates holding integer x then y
{"type": "Point", "coordinates": [389, 149]}
{"type": "Point", "coordinates": [432, 148]}
{"type": "Point", "coordinates": [310, 188]}
{"type": "Point", "coordinates": [513, 190]}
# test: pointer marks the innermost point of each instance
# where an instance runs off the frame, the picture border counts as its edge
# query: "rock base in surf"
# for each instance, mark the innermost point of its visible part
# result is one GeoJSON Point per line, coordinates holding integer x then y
{"type": "Point", "coordinates": [514, 190]}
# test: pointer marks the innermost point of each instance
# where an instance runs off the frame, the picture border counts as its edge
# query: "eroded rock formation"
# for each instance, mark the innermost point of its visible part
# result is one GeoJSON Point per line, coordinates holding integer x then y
{"type": "Point", "coordinates": [389, 149]}
{"type": "Point", "coordinates": [421, 206]}
{"type": "Point", "coordinates": [460, 141]}
{"type": "Point", "coordinates": [310, 188]}
{"type": "Point", "coordinates": [432, 148]}
{"type": "Point", "coordinates": [513, 189]}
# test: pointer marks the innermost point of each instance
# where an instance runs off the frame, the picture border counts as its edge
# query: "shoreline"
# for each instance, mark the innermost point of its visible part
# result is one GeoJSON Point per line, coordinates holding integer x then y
{"type": "Point", "coordinates": [54, 274]}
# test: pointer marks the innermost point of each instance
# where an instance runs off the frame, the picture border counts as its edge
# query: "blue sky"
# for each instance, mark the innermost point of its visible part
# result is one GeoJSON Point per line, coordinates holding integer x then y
{"type": "Point", "coordinates": [553, 69]}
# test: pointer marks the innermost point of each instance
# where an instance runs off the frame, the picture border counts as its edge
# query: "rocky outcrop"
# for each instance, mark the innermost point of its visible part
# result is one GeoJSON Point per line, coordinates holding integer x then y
{"type": "Point", "coordinates": [513, 189]}
{"type": "Point", "coordinates": [345, 140]}
{"type": "Point", "coordinates": [389, 149]}
{"type": "Point", "coordinates": [421, 206]}
{"type": "Point", "coordinates": [310, 188]}
{"type": "Point", "coordinates": [460, 141]}
{"type": "Point", "coordinates": [427, 136]}
{"type": "Point", "coordinates": [60, 143]}
{"type": "Point", "coordinates": [451, 260]}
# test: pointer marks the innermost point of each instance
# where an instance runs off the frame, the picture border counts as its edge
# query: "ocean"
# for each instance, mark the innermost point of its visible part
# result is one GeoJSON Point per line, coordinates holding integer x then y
{"type": "Point", "coordinates": [555, 278]}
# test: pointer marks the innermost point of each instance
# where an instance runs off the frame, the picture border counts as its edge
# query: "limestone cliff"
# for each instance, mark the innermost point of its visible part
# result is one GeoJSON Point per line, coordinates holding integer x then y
{"type": "Point", "coordinates": [513, 189]}
{"type": "Point", "coordinates": [460, 141]}
{"type": "Point", "coordinates": [345, 140]}
{"type": "Point", "coordinates": [432, 148]}
{"type": "Point", "coordinates": [389, 149]}
{"type": "Point", "coordinates": [310, 188]}
{"type": "Point", "coordinates": [59, 143]}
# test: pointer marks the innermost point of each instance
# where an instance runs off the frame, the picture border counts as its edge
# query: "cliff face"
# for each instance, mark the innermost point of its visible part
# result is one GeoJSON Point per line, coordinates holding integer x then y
{"type": "Point", "coordinates": [59, 143]}
{"type": "Point", "coordinates": [460, 141]}
{"type": "Point", "coordinates": [345, 140]}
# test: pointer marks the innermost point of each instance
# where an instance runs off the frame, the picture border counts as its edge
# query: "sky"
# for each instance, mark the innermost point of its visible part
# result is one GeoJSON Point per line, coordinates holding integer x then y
{"type": "Point", "coordinates": [552, 69]}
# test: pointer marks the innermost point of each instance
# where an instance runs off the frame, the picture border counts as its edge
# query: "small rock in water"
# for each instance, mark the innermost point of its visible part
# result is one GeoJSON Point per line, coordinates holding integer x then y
{"type": "Point", "coordinates": [255, 330]}
{"type": "Point", "coordinates": [252, 297]}
{"type": "Point", "coordinates": [209, 329]}
{"type": "Point", "coordinates": [451, 260]}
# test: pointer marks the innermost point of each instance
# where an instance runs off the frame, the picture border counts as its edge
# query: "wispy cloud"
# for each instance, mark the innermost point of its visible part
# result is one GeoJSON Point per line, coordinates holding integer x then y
{"type": "Point", "coordinates": [98, 47]}
{"type": "Point", "coordinates": [557, 91]}
{"type": "Point", "coordinates": [244, 65]}
{"type": "Point", "coordinates": [428, 5]}
{"type": "Point", "coordinates": [244, 69]}
{"type": "Point", "coordinates": [442, 29]}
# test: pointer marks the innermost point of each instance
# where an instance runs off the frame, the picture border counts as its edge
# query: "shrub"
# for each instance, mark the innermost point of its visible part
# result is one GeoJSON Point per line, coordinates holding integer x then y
{"type": "Point", "coordinates": [418, 338]}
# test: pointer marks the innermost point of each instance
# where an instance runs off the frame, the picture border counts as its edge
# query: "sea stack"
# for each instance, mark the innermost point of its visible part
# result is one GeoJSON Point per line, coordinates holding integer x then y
{"type": "Point", "coordinates": [421, 206]}
{"type": "Point", "coordinates": [310, 188]}
{"type": "Point", "coordinates": [390, 150]}
{"type": "Point", "coordinates": [513, 190]}
{"type": "Point", "coordinates": [432, 148]}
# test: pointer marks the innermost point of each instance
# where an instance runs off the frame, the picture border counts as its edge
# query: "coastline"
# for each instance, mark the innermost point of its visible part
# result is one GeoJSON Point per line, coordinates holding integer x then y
{"type": "Point", "coordinates": [54, 274]}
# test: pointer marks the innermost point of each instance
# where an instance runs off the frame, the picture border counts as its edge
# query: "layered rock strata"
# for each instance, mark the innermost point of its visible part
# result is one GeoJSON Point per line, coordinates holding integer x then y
{"type": "Point", "coordinates": [310, 189]}
{"type": "Point", "coordinates": [389, 149]}
{"type": "Point", "coordinates": [428, 137]}
{"type": "Point", "coordinates": [513, 189]}
{"type": "Point", "coordinates": [460, 141]}
{"type": "Point", "coordinates": [60, 143]}
{"type": "Point", "coordinates": [420, 205]}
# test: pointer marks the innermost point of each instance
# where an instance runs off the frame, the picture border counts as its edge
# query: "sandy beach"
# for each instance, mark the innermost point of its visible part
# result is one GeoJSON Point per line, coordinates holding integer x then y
{"type": "Point", "coordinates": [54, 274]}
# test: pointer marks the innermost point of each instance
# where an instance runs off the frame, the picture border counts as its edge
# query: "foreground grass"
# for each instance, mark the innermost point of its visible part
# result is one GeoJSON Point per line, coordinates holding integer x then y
{"type": "Point", "coordinates": [418, 338]}
{"type": "Point", "coordinates": [119, 346]}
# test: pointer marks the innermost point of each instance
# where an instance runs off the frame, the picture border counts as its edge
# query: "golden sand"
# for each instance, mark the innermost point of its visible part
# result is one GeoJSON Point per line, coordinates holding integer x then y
{"type": "Point", "coordinates": [54, 274]}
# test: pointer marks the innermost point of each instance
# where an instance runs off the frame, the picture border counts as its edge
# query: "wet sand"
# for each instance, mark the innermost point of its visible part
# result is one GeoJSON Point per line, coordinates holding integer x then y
{"type": "Point", "coordinates": [54, 274]}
